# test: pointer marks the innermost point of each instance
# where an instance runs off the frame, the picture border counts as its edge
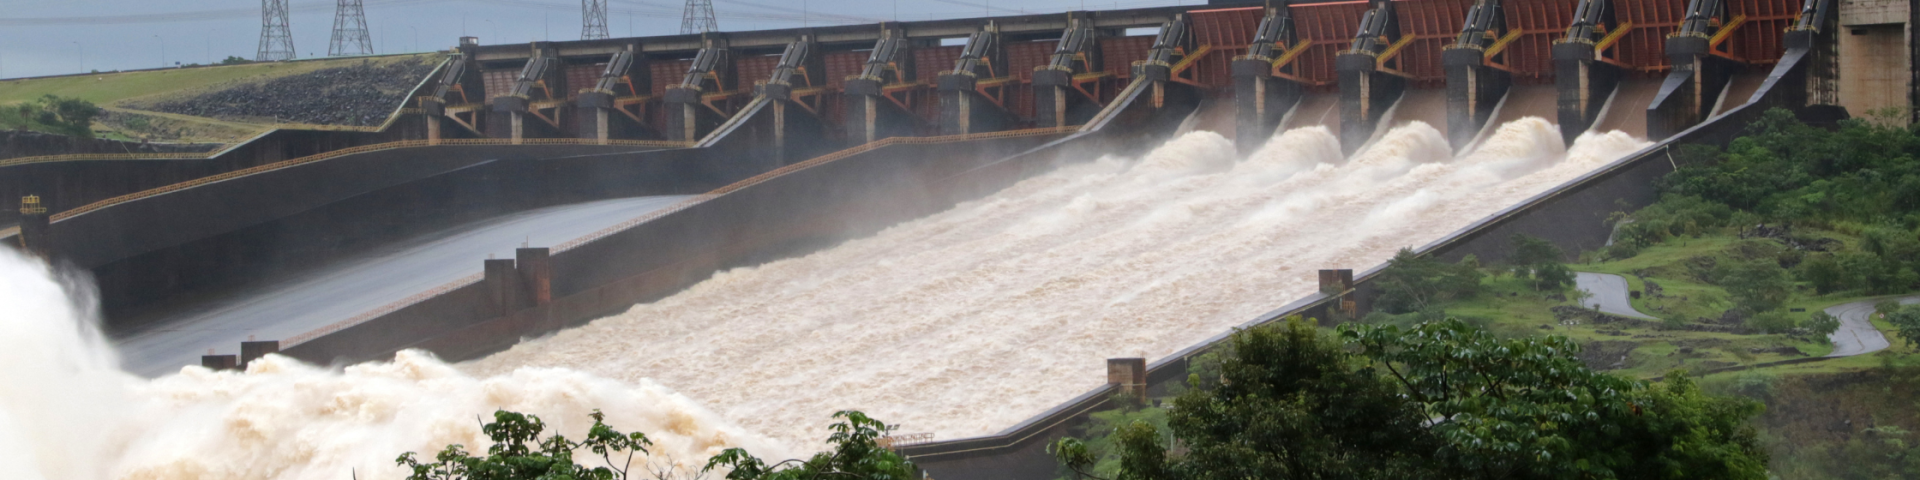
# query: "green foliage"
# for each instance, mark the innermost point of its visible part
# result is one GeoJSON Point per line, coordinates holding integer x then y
{"type": "Point", "coordinates": [1539, 262]}
{"type": "Point", "coordinates": [856, 453]}
{"type": "Point", "coordinates": [1821, 324]}
{"type": "Point", "coordinates": [1906, 320]}
{"type": "Point", "coordinates": [1413, 283]}
{"type": "Point", "coordinates": [1440, 400]}
{"type": "Point", "coordinates": [52, 114]}
{"type": "Point", "coordinates": [1755, 285]}
{"type": "Point", "coordinates": [233, 60]}
{"type": "Point", "coordinates": [1772, 321]}
{"type": "Point", "coordinates": [1673, 216]}
{"type": "Point", "coordinates": [1100, 455]}
{"type": "Point", "coordinates": [518, 453]}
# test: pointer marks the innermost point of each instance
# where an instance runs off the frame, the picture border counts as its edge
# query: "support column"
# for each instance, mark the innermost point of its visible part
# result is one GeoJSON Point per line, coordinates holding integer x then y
{"type": "Point", "coordinates": [590, 113]}
{"type": "Point", "coordinates": [504, 119]}
{"type": "Point", "coordinates": [1129, 376]}
{"type": "Point", "coordinates": [1688, 95]}
{"type": "Point", "coordinates": [1366, 94]}
{"type": "Point", "coordinates": [253, 350]}
{"type": "Point", "coordinates": [220, 362]}
{"type": "Point", "coordinates": [1584, 85]}
{"type": "Point", "coordinates": [1473, 90]}
{"type": "Point", "coordinates": [1339, 283]}
{"type": "Point", "coordinates": [502, 284]}
{"type": "Point", "coordinates": [36, 235]}
{"type": "Point", "coordinates": [535, 268]}
{"type": "Point", "coordinates": [1261, 102]}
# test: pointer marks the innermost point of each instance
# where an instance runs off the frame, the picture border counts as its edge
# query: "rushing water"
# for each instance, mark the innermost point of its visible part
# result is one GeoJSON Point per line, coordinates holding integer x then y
{"type": "Point", "coordinates": [67, 412]}
{"type": "Point", "coordinates": [971, 320]}
{"type": "Point", "coordinates": [961, 323]}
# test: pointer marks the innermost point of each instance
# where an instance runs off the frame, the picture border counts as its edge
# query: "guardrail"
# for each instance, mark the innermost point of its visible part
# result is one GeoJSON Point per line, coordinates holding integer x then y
{"type": "Point", "coordinates": [605, 232]}
{"type": "Point", "coordinates": [84, 209]}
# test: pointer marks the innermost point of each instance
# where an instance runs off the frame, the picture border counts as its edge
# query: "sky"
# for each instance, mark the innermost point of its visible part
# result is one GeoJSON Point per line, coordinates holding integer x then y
{"type": "Point", "coordinates": [52, 37]}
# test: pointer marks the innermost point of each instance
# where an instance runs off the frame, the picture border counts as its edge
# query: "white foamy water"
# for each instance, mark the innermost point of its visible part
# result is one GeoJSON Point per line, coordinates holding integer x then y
{"type": "Point", "coordinates": [961, 323]}
{"type": "Point", "coordinates": [968, 321]}
{"type": "Point", "coordinates": [67, 412]}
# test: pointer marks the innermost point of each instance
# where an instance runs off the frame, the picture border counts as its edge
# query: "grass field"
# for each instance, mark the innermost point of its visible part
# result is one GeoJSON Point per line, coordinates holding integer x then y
{"type": "Point", "coordinates": [107, 89]}
{"type": "Point", "coordinates": [114, 91]}
{"type": "Point", "coordinates": [1648, 349]}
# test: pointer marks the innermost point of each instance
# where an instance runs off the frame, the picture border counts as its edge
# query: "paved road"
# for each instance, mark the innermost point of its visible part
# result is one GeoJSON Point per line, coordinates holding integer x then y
{"type": "Point", "coordinates": [1857, 334]}
{"type": "Point", "coordinates": [285, 307]}
{"type": "Point", "coordinates": [1609, 292]}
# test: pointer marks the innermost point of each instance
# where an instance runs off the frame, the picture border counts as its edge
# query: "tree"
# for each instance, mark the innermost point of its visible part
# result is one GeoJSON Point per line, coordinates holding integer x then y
{"type": "Point", "coordinates": [1821, 323]}
{"type": "Point", "coordinates": [1413, 282]}
{"type": "Point", "coordinates": [1755, 285]}
{"type": "Point", "coordinates": [233, 60]}
{"type": "Point", "coordinates": [1539, 261]}
{"type": "Point", "coordinates": [1289, 405]}
{"type": "Point", "coordinates": [518, 453]}
{"type": "Point", "coordinates": [1906, 320]}
{"type": "Point", "coordinates": [856, 454]}
{"type": "Point", "coordinates": [1441, 400]}
{"type": "Point", "coordinates": [1528, 408]}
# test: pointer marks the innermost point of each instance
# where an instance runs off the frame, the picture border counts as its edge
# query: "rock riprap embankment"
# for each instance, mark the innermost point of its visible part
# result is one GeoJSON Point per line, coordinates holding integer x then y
{"type": "Point", "coordinates": [358, 95]}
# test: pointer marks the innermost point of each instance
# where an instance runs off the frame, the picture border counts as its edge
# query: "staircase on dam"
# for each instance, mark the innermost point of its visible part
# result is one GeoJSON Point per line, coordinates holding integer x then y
{"type": "Point", "coordinates": [786, 141]}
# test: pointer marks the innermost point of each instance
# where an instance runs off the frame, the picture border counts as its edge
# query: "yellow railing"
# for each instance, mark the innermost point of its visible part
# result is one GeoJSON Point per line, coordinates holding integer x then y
{"type": "Point", "coordinates": [72, 157]}
{"type": "Point", "coordinates": [350, 151]}
{"type": "Point", "coordinates": [603, 233]}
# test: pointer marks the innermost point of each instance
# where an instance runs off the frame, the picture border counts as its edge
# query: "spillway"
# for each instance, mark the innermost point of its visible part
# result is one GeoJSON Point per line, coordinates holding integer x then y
{"type": "Point", "coordinates": [970, 320]}
{"type": "Point", "coordinates": [956, 324]}
{"type": "Point", "coordinates": [290, 305]}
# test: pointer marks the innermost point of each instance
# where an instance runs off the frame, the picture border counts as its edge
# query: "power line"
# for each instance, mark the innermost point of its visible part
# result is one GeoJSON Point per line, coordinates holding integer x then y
{"type": "Point", "coordinates": [350, 36]}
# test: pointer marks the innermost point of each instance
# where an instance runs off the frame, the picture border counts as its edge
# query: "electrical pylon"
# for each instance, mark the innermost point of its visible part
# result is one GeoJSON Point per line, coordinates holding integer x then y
{"type": "Point", "coordinates": [276, 39]}
{"type": "Point", "coordinates": [698, 18]}
{"type": "Point", "coordinates": [593, 19]}
{"type": "Point", "coordinates": [350, 35]}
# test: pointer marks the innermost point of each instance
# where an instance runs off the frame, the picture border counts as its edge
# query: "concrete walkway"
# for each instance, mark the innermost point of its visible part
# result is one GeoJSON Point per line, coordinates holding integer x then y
{"type": "Point", "coordinates": [1857, 334]}
{"type": "Point", "coordinates": [1608, 292]}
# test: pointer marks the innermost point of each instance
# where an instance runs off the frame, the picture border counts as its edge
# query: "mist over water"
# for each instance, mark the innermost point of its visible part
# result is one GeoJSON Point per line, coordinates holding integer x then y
{"type": "Point", "coordinates": [971, 320]}
{"type": "Point", "coordinates": [961, 323]}
{"type": "Point", "coordinates": [68, 413]}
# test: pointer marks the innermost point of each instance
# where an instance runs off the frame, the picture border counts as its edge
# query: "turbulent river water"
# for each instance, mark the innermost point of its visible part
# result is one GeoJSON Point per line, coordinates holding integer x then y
{"type": "Point", "coordinates": [957, 324]}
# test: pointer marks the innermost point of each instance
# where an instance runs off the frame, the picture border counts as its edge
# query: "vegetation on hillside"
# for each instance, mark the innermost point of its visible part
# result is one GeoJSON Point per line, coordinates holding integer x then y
{"type": "Point", "coordinates": [1439, 400]}
{"type": "Point", "coordinates": [51, 114]}
{"type": "Point", "coordinates": [519, 452]}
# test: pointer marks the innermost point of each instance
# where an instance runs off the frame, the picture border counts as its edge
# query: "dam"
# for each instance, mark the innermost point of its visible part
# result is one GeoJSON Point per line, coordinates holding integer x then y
{"type": "Point", "coordinates": [977, 228]}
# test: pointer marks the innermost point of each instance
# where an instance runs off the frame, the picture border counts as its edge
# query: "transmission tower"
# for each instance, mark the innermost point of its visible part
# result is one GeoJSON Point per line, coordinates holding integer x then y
{"type": "Point", "coordinates": [350, 30]}
{"type": "Point", "coordinates": [698, 18]}
{"type": "Point", "coordinates": [593, 20]}
{"type": "Point", "coordinates": [276, 40]}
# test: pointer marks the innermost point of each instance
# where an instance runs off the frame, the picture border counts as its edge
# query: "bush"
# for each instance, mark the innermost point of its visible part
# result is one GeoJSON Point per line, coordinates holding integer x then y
{"type": "Point", "coordinates": [1775, 321]}
{"type": "Point", "coordinates": [1822, 324]}
{"type": "Point", "coordinates": [1755, 285]}
{"type": "Point", "coordinates": [1412, 283]}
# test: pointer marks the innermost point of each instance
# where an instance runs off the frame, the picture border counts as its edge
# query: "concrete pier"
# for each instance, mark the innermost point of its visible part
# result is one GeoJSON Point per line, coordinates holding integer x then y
{"type": "Point", "coordinates": [1366, 92]}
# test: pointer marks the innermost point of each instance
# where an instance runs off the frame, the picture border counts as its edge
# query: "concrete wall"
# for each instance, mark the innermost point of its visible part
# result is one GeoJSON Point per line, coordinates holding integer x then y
{"type": "Point", "coordinates": [1872, 12]}
{"type": "Point", "coordinates": [68, 184]}
{"type": "Point", "coordinates": [1873, 68]}
{"type": "Point", "coordinates": [14, 144]}
{"type": "Point", "coordinates": [147, 250]}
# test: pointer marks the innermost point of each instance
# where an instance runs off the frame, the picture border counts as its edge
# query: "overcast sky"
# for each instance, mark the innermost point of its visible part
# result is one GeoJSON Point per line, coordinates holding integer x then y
{"type": "Point", "coordinates": [50, 37]}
